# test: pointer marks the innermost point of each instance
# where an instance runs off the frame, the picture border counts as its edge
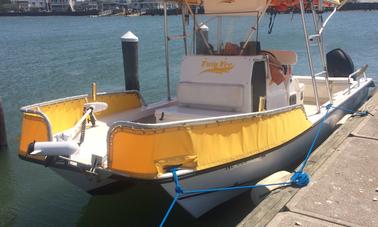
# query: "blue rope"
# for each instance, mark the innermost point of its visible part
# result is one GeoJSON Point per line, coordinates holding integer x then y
{"type": "Point", "coordinates": [298, 180]}
{"type": "Point", "coordinates": [178, 191]}
{"type": "Point", "coordinates": [309, 152]}
{"type": "Point", "coordinates": [178, 188]}
{"type": "Point", "coordinates": [169, 210]}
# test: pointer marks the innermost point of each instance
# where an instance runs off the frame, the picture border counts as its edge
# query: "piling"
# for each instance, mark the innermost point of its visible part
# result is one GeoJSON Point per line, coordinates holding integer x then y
{"type": "Point", "coordinates": [3, 135]}
{"type": "Point", "coordinates": [200, 43]}
{"type": "Point", "coordinates": [130, 60]}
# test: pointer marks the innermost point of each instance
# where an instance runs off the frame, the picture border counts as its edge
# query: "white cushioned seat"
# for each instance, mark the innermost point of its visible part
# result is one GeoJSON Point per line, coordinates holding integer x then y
{"type": "Point", "coordinates": [226, 97]}
{"type": "Point", "coordinates": [179, 113]}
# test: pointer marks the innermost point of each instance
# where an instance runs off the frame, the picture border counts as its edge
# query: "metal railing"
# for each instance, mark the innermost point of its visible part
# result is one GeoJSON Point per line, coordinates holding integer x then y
{"type": "Point", "coordinates": [357, 75]}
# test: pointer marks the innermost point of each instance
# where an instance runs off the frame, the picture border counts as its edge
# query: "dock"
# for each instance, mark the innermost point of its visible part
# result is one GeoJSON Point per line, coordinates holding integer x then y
{"type": "Point", "coordinates": [343, 190]}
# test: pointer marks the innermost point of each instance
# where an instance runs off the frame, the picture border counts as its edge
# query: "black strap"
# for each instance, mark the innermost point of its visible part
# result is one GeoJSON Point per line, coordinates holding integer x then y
{"type": "Point", "coordinates": [272, 18]}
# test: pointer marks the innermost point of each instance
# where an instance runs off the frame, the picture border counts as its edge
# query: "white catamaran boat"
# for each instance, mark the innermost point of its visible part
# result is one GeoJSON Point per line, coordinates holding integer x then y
{"type": "Point", "coordinates": [239, 115]}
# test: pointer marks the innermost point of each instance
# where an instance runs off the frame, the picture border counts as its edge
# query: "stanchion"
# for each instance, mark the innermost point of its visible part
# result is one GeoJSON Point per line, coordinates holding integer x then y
{"type": "Point", "coordinates": [130, 60]}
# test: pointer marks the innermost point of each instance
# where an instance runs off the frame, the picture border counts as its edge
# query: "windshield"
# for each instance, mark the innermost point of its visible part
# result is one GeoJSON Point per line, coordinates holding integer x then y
{"type": "Point", "coordinates": [227, 35]}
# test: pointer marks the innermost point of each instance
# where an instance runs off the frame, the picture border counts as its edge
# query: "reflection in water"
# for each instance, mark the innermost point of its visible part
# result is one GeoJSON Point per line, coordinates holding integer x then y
{"type": "Point", "coordinates": [146, 204]}
{"type": "Point", "coordinates": [8, 213]}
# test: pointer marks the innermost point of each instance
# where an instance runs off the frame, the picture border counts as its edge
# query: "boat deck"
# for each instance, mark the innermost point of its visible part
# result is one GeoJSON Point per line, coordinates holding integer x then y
{"type": "Point", "coordinates": [310, 109]}
{"type": "Point", "coordinates": [95, 141]}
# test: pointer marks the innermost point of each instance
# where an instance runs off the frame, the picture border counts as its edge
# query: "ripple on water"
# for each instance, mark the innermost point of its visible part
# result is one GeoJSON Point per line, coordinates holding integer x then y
{"type": "Point", "coordinates": [44, 58]}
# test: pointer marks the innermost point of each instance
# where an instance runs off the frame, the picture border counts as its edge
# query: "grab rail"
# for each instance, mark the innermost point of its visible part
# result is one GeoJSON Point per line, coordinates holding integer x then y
{"type": "Point", "coordinates": [38, 112]}
{"type": "Point", "coordinates": [320, 73]}
{"type": "Point", "coordinates": [317, 35]}
{"type": "Point", "coordinates": [358, 74]}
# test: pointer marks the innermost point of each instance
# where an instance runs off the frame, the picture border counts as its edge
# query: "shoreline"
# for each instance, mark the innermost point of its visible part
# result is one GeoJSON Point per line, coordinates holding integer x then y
{"type": "Point", "coordinates": [347, 7]}
{"type": "Point", "coordinates": [83, 13]}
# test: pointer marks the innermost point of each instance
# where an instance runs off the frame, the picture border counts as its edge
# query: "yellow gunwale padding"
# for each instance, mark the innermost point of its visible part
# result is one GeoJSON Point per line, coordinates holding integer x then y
{"type": "Point", "coordinates": [64, 113]}
{"type": "Point", "coordinates": [34, 128]}
{"type": "Point", "coordinates": [143, 153]}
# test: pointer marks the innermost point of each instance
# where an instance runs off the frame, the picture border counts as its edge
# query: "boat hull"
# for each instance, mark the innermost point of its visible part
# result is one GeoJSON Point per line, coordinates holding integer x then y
{"type": "Point", "coordinates": [250, 171]}
{"type": "Point", "coordinates": [86, 181]}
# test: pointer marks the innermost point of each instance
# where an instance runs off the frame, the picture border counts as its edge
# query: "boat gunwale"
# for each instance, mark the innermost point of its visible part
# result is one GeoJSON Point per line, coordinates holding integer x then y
{"type": "Point", "coordinates": [28, 108]}
{"type": "Point", "coordinates": [45, 118]}
{"type": "Point", "coordinates": [168, 177]}
{"type": "Point", "coordinates": [137, 128]}
{"type": "Point", "coordinates": [34, 108]}
{"type": "Point", "coordinates": [187, 174]}
{"type": "Point", "coordinates": [202, 121]}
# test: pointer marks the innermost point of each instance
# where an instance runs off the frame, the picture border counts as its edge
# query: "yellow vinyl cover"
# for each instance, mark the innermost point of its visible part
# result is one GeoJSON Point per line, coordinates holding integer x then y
{"type": "Point", "coordinates": [34, 128]}
{"type": "Point", "coordinates": [146, 153]}
{"type": "Point", "coordinates": [64, 114]}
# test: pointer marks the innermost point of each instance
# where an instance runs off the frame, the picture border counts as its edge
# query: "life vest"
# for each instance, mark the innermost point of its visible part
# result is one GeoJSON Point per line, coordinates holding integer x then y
{"type": "Point", "coordinates": [278, 72]}
{"type": "Point", "coordinates": [285, 5]}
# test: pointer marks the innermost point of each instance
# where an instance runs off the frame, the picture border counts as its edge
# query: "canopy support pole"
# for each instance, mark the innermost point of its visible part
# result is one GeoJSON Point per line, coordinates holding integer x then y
{"type": "Point", "coordinates": [194, 45]}
{"type": "Point", "coordinates": [309, 58]}
{"type": "Point", "coordinates": [319, 41]}
{"type": "Point", "coordinates": [166, 50]}
{"type": "Point", "coordinates": [253, 29]}
{"type": "Point", "coordinates": [198, 28]}
{"type": "Point", "coordinates": [184, 33]}
{"type": "Point", "coordinates": [219, 34]}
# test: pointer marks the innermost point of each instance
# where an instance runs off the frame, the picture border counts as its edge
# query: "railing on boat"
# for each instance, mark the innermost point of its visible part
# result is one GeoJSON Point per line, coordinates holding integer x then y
{"type": "Point", "coordinates": [357, 75]}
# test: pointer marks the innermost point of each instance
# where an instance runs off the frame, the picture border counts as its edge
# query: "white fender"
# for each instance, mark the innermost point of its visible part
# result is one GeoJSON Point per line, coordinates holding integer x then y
{"type": "Point", "coordinates": [259, 193]}
{"type": "Point", "coordinates": [54, 148]}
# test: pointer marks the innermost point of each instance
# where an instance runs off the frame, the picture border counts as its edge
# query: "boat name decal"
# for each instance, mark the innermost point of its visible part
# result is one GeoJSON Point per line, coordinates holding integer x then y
{"type": "Point", "coordinates": [236, 165]}
{"type": "Point", "coordinates": [218, 67]}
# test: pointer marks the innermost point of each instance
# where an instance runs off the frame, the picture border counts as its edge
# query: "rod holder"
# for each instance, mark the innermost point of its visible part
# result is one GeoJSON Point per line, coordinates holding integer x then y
{"type": "Point", "coordinates": [94, 92]}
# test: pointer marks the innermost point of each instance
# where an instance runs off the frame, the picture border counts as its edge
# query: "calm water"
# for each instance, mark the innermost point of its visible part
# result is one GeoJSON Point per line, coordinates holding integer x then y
{"type": "Point", "coordinates": [43, 58]}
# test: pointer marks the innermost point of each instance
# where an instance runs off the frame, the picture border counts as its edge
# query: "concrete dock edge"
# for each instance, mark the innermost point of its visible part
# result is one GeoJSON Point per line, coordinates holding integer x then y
{"type": "Point", "coordinates": [277, 202]}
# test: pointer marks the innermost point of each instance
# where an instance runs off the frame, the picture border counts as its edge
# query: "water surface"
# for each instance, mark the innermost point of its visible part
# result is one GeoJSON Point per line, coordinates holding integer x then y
{"type": "Point", "coordinates": [43, 58]}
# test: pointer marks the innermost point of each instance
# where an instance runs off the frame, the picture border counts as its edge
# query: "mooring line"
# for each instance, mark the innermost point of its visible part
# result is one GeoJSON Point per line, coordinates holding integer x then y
{"type": "Point", "coordinates": [363, 136]}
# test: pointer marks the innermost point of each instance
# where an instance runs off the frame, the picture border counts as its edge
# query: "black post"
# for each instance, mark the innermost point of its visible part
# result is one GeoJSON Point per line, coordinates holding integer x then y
{"type": "Point", "coordinates": [200, 43]}
{"type": "Point", "coordinates": [3, 135]}
{"type": "Point", "coordinates": [130, 60]}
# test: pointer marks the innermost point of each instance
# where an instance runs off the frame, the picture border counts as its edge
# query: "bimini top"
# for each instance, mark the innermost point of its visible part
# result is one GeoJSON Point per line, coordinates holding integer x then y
{"type": "Point", "coordinates": [234, 6]}
{"type": "Point", "coordinates": [249, 7]}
